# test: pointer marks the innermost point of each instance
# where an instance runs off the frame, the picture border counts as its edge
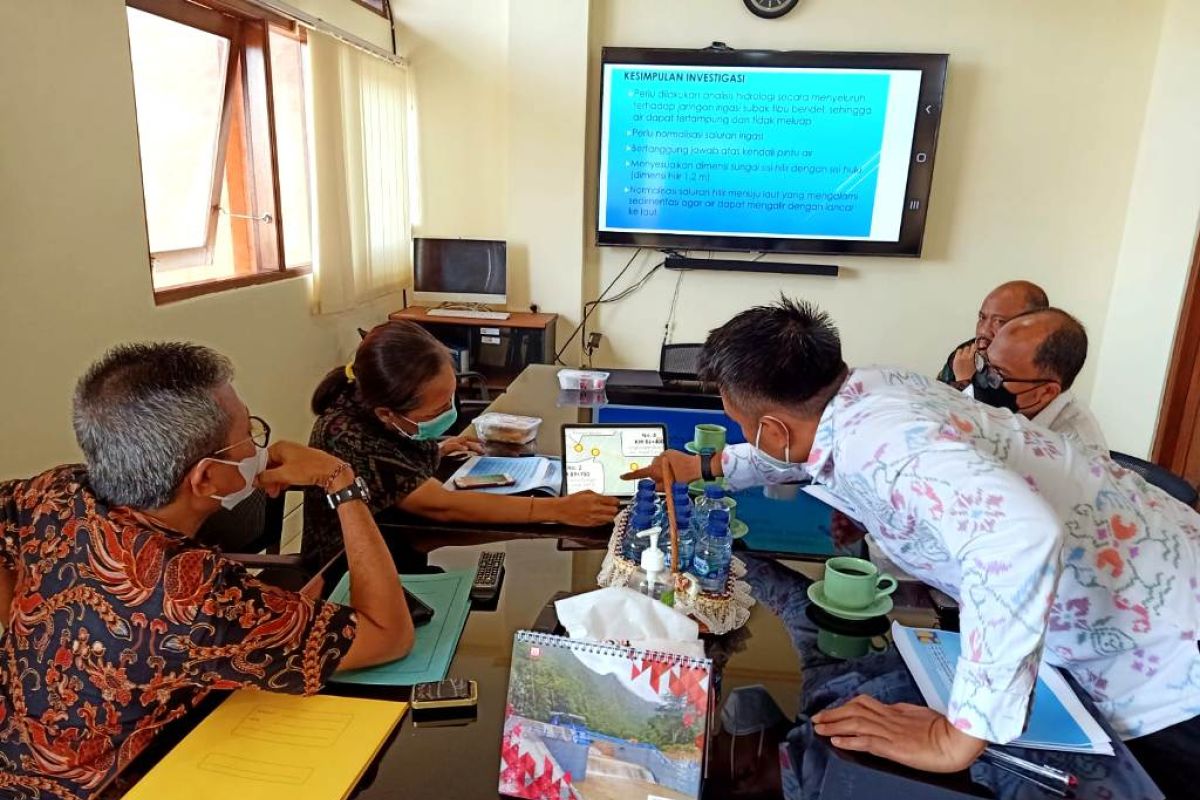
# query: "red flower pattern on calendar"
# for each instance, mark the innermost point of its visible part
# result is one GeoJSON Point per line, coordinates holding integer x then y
{"type": "Point", "coordinates": [119, 627]}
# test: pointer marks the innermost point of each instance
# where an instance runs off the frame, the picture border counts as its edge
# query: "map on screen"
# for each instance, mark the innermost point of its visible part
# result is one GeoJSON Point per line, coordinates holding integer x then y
{"type": "Point", "coordinates": [596, 456]}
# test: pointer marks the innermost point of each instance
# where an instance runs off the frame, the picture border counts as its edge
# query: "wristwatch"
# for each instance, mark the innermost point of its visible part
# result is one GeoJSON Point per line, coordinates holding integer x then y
{"type": "Point", "coordinates": [355, 491]}
{"type": "Point", "coordinates": [706, 457]}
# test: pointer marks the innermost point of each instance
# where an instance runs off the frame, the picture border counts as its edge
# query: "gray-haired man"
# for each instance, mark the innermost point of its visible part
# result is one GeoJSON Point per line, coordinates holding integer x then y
{"type": "Point", "coordinates": [117, 622]}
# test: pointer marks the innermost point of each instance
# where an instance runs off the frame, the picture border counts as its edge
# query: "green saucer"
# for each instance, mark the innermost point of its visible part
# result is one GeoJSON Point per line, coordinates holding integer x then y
{"type": "Point", "coordinates": [816, 593]}
{"type": "Point", "coordinates": [696, 487]}
{"type": "Point", "coordinates": [738, 529]}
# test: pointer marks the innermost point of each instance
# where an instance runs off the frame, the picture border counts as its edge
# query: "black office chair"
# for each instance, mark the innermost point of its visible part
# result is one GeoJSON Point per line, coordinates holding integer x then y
{"type": "Point", "coordinates": [1169, 482]}
{"type": "Point", "coordinates": [680, 362]}
{"type": "Point", "coordinates": [472, 396]}
{"type": "Point", "coordinates": [251, 534]}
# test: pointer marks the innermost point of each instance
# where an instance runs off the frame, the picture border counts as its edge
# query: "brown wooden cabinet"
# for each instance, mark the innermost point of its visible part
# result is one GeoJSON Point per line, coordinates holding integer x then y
{"type": "Point", "coordinates": [498, 349]}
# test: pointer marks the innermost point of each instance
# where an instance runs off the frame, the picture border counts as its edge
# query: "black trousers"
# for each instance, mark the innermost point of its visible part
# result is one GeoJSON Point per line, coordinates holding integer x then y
{"type": "Point", "coordinates": [1172, 757]}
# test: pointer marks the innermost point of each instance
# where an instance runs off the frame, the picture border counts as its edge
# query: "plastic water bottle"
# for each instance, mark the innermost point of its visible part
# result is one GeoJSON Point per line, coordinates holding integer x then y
{"type": "Point", "coordinates": [712, 497]}
{"type": "Point", "coordinates": [714, 551]}
{"type": "Point", "coordinates": [641, 519]}
{"type": "Point", "coordinates": [687, 538]}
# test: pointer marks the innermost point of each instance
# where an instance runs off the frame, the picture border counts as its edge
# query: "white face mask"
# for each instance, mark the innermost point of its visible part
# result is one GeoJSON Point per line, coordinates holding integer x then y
{"type": "Point", "coordinates": [768, 459]}
{"type": "Point", "coordinates": [250, 468]}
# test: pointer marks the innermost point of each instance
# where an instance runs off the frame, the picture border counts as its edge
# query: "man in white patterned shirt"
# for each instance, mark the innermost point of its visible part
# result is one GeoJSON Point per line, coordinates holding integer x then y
{"type": "Point", "coordinates": [1052, 551]}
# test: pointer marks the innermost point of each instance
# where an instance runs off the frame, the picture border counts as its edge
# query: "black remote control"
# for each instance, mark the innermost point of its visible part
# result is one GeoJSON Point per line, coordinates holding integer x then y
{"type": "Point", "coordinates": [488, 575]}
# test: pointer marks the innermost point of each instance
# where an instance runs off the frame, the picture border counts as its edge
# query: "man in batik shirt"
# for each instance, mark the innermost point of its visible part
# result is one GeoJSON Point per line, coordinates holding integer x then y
{"type": "Point", "coordinates": [1051, 550]}
{"type": "Point", "coordinates": [116, 622]}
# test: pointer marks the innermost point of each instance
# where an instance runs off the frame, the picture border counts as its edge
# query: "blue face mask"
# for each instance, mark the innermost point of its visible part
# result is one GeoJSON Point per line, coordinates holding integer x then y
{"type": "Point", "coordinates": [768, 459]}
{"type": "Point", "coordinates": [431, 429]}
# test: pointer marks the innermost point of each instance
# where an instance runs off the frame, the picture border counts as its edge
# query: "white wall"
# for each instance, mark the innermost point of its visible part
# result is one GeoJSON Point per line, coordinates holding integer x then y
{"type": "Point", "coordinates": [75, 275]}
{"type": "Point", "coordinates": [1159, 236]}
{"type": "Point", "coordinates": [1042, 116]}
{"type": "Point", "coordinates": [548, 69]}
{"type": "Point", "coordinates": [459, 56]}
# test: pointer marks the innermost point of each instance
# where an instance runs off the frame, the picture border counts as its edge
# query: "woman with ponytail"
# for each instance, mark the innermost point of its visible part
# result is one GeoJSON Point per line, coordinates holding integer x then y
{"type": "Point", "coordinates": [384, 413]}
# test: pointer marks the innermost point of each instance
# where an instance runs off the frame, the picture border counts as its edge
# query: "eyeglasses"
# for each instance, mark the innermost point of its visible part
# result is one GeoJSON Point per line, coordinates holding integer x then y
{"type": "Point", "coordinates": [992, 377]}
{"type": "Point", "coordinates": [260, 434]}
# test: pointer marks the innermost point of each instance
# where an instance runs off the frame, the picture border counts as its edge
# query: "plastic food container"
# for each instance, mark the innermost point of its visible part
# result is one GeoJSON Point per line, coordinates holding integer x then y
{"type": "Point", "coordinates": [582, 380]}
{"type": "Point", "coordinates": [507, 428]}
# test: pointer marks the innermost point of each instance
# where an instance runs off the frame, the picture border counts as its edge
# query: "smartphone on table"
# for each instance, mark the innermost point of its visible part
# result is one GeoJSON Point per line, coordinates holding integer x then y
{"type": "Point", "coordinates": [420, 611]}
{"type": "Point", "coordinates": [483, 481]}
{"type": "Point", "coordinates": [450, 693]}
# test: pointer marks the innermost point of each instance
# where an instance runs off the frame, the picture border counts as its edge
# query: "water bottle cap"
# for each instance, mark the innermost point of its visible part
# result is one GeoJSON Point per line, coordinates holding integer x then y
{"type": "Point", "coordinates": [718, 530]}
{"type": "Point", "coordinates": [641, 520]}
{"type": "Point", "coordinates": [646, 483]}
{"type": "Point", "coordinates": [714, 491]}
{"type": "Point", "coordinates": [678, 487]}
{"type": "Point", "coordinates": [718, 515]}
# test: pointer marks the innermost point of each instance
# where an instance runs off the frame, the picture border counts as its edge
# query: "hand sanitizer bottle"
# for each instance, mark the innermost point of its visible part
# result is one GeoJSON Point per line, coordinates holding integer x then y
{"type": "Point", "coordinates": [653, 584]}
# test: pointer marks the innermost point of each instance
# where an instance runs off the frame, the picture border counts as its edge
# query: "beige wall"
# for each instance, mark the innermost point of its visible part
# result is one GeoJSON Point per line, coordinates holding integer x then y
{"type": "Point", "coordinates": [1160, 232]}
{"type": "Point", "coordinates": [1042, 117]}
{"type": "Point", "coordinates": [459, 56]}
{"type": "Point", "coordinates": [75, 275]}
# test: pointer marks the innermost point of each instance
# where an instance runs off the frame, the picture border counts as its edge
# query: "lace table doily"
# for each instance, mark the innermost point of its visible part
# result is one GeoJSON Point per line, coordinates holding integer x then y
{"type": "Point", "coordinates": [719, 613]}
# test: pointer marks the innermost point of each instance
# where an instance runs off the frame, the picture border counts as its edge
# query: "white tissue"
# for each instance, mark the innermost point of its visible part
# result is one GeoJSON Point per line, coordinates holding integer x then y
{"type": "Point", "coordinates": [622, 615]}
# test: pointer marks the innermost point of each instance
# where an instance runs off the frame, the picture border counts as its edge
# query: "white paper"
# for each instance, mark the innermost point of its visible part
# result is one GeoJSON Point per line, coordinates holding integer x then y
{"type": "Point", "coordinates": [619, 614]}
{"type": "Point", "coordinates": [827, 497]}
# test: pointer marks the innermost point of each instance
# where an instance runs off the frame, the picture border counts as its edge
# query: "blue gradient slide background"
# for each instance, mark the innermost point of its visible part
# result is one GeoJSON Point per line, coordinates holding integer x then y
{"type": "Point", "coordinates": [847, 145]}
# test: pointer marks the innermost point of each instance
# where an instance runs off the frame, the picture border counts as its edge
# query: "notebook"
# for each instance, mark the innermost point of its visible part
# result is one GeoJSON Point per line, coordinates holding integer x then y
{"type": "Point", "coordinates": [529, 474]}
{"type": "Point", "coordinates": [265, 745]}
{"type": "Point", "coordinates": [589, 721]}
{"type": "Point", "coordinates": [1057, 720]}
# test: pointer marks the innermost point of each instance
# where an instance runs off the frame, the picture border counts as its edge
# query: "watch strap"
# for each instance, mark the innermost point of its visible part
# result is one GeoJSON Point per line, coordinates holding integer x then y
{"type": "Point", "coordinates": [355, 491]}
{"type": "Point", "coordinates": [706, 472]}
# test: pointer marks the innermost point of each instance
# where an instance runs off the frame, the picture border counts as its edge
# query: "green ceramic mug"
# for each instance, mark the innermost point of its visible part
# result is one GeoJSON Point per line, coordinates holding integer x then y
{"type": "Point", "coordinates": [855, 583]}
{"type": "Point", "coordinates": [709, 437]}
{"type": "Point", "coordinates": [839, 645]}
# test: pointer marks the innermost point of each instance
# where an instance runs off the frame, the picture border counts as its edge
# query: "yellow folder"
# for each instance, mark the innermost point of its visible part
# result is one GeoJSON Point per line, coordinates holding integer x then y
{"type": "Point", "coordinates": [262, 746]}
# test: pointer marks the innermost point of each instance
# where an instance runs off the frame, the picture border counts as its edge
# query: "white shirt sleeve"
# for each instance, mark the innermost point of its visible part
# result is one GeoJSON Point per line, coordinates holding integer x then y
{"type": "Point", "coordinates": [1007, 542]}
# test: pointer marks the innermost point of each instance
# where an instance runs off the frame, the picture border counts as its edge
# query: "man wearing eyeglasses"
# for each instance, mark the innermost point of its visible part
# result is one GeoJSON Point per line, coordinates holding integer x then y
{"type": "Point", "coordinates": [1029, 369]}
{"type": "Point", "coordinates": [116, 621]}
{"type": "Point", "coordinates": [1003, 303]}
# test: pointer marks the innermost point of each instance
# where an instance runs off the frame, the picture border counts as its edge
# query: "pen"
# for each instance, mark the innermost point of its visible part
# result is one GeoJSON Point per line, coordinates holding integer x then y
{"type": "Point", "coordinates": [1049, 773]}
{"type": "Point", "coordinates": [1058, 791]}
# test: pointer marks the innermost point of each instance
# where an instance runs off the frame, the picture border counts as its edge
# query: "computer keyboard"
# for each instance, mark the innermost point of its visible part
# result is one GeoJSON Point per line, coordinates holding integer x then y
{"type": "Point", "coordinates": [454, 312]}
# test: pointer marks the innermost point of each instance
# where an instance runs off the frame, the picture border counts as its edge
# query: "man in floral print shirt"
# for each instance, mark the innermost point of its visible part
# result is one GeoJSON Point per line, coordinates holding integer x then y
{"type": "Point", "coordinates": [1053, 552]}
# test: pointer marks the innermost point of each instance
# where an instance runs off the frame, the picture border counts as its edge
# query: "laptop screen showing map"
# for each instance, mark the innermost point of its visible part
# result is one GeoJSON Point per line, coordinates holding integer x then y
{"type": "Point", "coordinates": [596, 456]}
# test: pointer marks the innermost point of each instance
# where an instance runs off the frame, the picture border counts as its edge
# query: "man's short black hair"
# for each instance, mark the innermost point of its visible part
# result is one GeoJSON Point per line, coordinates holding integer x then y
{"type": "Point", "coordinates": [788, 353]}
{"type": "Point", "coordinates": [1064, 350]}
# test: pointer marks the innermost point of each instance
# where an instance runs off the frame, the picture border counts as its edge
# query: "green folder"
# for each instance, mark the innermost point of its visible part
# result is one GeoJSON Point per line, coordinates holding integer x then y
{"type": "Point", "coordinates": [449, 594]}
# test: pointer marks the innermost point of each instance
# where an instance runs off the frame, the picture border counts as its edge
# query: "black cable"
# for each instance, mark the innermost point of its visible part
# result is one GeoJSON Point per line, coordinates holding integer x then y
{"type": "Point", "coordinates": [607, 289]}
{"type": "Point", "coordinates": [671, 313]}
{"type": "Point", "coordinates": [592, 305]}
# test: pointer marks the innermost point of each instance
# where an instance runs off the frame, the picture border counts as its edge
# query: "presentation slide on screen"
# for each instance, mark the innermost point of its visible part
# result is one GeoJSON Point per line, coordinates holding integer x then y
{"type": "Point", "coordinates": [596, 458]}
{"type": "Point", "coordinates": [737, 151]}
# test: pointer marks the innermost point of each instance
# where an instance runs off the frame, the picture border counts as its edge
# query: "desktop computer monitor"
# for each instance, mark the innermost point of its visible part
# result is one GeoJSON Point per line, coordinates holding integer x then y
{"type": "Point", "coordinates": [459, 271]}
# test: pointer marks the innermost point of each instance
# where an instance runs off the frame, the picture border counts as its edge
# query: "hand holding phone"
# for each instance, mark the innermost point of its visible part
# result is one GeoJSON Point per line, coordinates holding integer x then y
{"type": "Point", "coordinates": [483, 481]}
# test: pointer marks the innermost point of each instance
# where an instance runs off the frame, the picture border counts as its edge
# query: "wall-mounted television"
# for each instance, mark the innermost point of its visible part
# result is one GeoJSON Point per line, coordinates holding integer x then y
{"type": "Point", "coordinates": [769, 151]}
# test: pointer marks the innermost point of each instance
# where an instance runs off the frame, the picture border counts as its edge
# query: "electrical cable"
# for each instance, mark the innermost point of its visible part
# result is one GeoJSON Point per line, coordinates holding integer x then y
{"type": "Point", "coordinates": [671, 312]}
{"type": "Point", "coordinates": [607, 289]}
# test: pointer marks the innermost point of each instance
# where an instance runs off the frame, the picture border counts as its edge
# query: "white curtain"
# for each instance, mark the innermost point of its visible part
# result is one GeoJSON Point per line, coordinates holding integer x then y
{"type": "Point", "coordinates": [361, 106]}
